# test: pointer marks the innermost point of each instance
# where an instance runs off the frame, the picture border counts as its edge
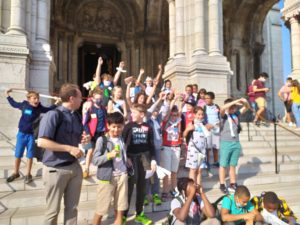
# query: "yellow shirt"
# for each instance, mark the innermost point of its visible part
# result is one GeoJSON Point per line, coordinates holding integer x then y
{"type": "Point", "coordinates": [295, 96]}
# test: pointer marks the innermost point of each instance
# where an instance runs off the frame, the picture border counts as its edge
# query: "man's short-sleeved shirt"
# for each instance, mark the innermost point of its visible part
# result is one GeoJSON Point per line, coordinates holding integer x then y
{"type": "Point", "coordinates": [229, 203]}
{"type": "Point", "coordinates": [259, 85]}
{"type": "Point", "coordinates": [64, 129]}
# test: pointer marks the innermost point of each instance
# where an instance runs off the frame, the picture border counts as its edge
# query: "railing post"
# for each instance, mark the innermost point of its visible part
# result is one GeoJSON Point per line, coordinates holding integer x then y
{"type": "Point", "coordinates": [275, 145]}
{"type": "Point", "coordinates": [248, 128]}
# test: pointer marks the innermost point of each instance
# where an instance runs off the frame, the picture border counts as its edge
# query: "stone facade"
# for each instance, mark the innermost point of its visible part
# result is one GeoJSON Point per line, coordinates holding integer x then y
{"type": "Point", "coordinates": [217, 44]}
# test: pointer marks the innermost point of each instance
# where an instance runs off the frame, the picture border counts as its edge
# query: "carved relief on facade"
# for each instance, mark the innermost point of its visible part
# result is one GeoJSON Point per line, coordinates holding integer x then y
{"type": "Point", "coordinates": [100, 19]}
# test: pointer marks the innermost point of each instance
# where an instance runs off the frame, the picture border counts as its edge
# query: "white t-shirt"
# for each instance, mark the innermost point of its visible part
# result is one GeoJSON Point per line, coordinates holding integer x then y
{"type": "Point", "coordinates": [118, 162]}
{"type": "Point", "coordinates": [175, 203]}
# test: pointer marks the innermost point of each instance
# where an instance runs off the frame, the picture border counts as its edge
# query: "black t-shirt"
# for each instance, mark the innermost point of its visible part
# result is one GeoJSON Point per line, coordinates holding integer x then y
{"type": "Point", "coordinates": [139, 138]}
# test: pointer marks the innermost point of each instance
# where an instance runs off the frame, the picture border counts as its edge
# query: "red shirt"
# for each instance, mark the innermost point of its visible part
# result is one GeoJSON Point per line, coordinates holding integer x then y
{"type": "Point", "coordinates": [171, 134]}
{"type": "Point", "coordinates": [189, 118]}
{"type": "Point", "coordinates": [259, 85]}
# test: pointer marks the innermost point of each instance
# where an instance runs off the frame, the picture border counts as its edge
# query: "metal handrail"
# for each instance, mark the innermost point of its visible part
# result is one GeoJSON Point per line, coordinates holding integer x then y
{"type": "Point", "coordinates": [275, 123]}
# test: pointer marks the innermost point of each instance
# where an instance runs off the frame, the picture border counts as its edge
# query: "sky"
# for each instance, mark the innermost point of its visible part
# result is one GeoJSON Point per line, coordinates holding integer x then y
{"type": "Point", "coordinates": [286, 47]}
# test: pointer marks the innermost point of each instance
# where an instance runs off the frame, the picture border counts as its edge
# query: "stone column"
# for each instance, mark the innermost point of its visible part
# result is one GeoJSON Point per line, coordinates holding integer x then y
{"type": "Point", "coordinates": [43, 21]}
{"type": "Point", "coordinates": [179, 15]}
{"type": "Point", "coordinates": [1, 13]}
{"type": "Point", "coordinates": [17, 17]}
{"type": "Point", "coordinates": [295, 45]}
{"type": "Point", "coordinates": [172, 28]}
{"type": "Point", "coordinates": [215, 38]}
{"type": "Point", "coordinates": [199, 27]}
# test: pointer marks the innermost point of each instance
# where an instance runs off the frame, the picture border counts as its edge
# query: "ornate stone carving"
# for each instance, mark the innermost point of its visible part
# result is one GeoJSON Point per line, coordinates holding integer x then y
{"type": "Point", "coordinates": [101, 19]}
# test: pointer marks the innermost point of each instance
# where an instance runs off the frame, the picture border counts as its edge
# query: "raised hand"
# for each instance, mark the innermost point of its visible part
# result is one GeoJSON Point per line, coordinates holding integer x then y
{"type": "Point", "coordinates": [100, 61]}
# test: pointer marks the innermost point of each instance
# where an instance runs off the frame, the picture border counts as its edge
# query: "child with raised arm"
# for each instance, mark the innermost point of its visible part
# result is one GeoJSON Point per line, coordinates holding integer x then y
{"type": "Point", "coordinates": [116, 103]}
{"type": "Point", "coordinates": [230, 147]}
{"type": "Point", "coordinates": [31, 110]}
{"type": "Point", "coordinates": [106, 82]}
{"type": "Point", "coordinates": [110, 158]}
{"type": "Point", "coordinates": [170, 154]}
{"type": "Point", "coordinates": [196, 134]}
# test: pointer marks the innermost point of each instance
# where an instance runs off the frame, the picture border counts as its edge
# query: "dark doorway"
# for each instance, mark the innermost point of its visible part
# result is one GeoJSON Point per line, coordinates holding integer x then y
{"type": "Point", "coordinates": [88, 55]}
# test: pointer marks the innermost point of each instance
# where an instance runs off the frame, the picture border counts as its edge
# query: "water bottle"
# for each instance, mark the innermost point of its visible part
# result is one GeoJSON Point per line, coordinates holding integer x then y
{"type": "Point", "coordinates": [118, 149]}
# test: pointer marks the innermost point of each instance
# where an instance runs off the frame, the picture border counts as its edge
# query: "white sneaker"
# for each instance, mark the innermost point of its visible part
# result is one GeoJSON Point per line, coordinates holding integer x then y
{"type": "Point", "coordinates": [291, 124]}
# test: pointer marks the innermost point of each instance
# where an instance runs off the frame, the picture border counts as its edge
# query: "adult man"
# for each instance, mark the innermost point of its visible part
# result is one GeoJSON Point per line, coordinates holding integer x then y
{"type": "Point", "coordinates": [285, 95]}
{"type": "Point", "coordinates": [60, 133]}
{"type": "Point", "coordinates": [260, 97]}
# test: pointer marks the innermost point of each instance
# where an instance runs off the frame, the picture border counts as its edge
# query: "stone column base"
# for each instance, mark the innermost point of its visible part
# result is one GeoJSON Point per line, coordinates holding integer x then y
{"type": "Point", "coordinates": [14, 67]}
{"type": "Point", "coordinates": [209, 72]}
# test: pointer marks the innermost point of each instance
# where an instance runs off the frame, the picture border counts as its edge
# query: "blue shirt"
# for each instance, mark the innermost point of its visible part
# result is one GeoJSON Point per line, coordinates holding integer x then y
{"type": "Point", "coordinates": [101, 114]}
{"type": "Point", "coordinates": [65, 129]}
{"type": "Point", "coordinates": [29, 114]}
{"type": "Point", "coordinates": [230, 204]}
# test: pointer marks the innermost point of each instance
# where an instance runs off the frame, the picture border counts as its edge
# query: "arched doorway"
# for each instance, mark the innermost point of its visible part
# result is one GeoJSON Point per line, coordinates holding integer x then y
{"type": "Point", "coordinates": [82, 30]}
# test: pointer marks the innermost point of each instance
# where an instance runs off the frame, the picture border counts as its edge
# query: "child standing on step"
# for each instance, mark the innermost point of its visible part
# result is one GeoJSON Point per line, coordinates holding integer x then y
{"type": "Point", "coordinates": [110, 158]}
{"type": "Point", "coordinates": [138, 137]}
{"type": "Point", "coordinates": [230, 147]}
{"type": "Point", "coordinates": [31, 110]}
{"type": "Point", "coordinates": [196, 134]}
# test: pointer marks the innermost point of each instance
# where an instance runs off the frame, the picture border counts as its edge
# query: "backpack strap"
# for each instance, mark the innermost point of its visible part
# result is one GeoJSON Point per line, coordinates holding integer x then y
{"type": "Point", "coordinates": [104, 144]}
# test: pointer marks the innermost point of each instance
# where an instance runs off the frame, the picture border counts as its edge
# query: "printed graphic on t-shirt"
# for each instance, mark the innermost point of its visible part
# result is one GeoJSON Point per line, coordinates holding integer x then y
{"type": "Point", "coordinates": [140, 135]}
{"type": "Point", "coordinates": [173, 133]}
{"type": "Point", "coordinates": [28, 112]}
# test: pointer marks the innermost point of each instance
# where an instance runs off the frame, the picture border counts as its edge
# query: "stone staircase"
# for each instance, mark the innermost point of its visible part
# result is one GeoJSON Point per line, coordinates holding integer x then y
{"type": "Point", "coordinates": [25, 204]}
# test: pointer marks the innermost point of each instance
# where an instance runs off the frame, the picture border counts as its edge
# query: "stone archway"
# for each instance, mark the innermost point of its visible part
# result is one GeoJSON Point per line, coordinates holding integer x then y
{"type": "Point", "coordinates": [136, 28]}
{"type": "Point", "coordinates": [243, 39]}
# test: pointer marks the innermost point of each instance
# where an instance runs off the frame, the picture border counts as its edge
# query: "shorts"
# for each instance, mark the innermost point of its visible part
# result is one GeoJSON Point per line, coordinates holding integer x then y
{"type": "Point", "coordinates": [116, 190]}
{"type": "Point", "coordinates": [25, 140]}
{"type": "Point", "coordinates": [288, 106]}
{"type": "Point", "coordinates": [261, 102]}
{"type": "Point", "coordinates": [195, 159]}
{"type": "Point", "coordinates": [213, 141]}
{"type": "Point", "coordinates": [229, 153]}
{"type": "Point", "coordinates": [170, 158]}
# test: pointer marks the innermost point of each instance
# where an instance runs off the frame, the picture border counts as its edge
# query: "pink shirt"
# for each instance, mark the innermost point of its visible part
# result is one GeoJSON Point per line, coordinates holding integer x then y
{"type": "Point", "coordinates": [285, 92]}
{"type": "Point", "coordinates": [201, 103]}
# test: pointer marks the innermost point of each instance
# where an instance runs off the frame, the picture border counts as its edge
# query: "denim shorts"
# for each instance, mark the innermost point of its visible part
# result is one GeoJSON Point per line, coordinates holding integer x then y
{"type": "Point", "coordinates": [24, 140]}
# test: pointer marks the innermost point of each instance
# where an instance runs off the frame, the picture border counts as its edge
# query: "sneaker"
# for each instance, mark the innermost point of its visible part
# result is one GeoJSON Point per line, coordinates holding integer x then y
{"type": "Point", "coordinates": [256, 123]}
{"type": "Point", "coordinates": [266, 124]}
{"type": "Point", "coordinates": [232, 187]}
{"type": "Point", "coordinates": [143, 219]}
{"type": "Point", "coordinates": [146, 201]}
{"type": "Point", "coordinates": [164, 197]}
{"type": "Point", "coordinates": [223, 189]}
{"type": "Point", "coordinates": [156, 199]}
{"type": "Point", "coordinates": [216, 164]}
{"type": "Point", "coordinates": [28, 179]}
{"type": "Point", "coordinates": [12, 177]}
{"type": "Point", "coordinates": [85, 174]}
{"type": "Point", "coordinates": [124, 220]}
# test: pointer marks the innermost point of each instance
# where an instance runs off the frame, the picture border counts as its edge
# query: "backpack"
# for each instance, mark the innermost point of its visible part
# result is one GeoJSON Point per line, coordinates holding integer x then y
{"type": "Point", "coordinates": [38, 151]}
{"type": "Point", "coordinates": [205, 115]}
{"type": "Point", "coordinates": [171, 216]}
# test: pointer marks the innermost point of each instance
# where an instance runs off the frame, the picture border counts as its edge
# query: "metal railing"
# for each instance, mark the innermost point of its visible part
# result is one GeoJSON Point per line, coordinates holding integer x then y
{"type": "Point", "coordinates": [248, 118]}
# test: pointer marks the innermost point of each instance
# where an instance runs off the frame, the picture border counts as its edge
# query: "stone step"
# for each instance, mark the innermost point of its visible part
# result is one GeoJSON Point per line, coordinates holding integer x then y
{"type": "Point", "coordinates": [269, 157]}
{"type": "Point", "coordinates": [7, 151]}
{"type": "Point", "coordinates": [23, 199]}
{"type": "Point", "coordinates": [263, 150]}
{"type": "Point", "coordinates": [34, 215]}
{"type": "Point", "coordinates": [252, 177]}
{"type": "Point", "coordinates": [270, 143]}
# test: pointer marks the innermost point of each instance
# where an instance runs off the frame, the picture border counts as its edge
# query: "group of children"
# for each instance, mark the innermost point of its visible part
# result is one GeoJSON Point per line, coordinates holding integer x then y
{"type": "Point", "coordinates": [129, 137]}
